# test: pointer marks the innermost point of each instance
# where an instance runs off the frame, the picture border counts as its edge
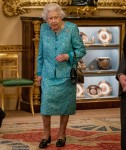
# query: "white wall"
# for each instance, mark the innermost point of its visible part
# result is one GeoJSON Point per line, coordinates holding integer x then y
{"type": "Point", "coordinates": [11, 27]}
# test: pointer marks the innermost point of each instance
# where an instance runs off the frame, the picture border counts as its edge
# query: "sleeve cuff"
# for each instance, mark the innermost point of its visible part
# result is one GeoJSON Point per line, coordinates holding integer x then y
{"type": "Point", "coordinates": [70, 58]}
{"type": "Point", "coordinates": [38, 73]}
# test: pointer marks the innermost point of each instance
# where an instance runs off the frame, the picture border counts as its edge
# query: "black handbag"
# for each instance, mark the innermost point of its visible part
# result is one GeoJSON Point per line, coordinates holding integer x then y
{"type": "Point", "coordinates": [76, 74]}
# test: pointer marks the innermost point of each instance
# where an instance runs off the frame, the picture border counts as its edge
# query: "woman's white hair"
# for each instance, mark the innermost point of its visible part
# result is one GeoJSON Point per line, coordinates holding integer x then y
{"type": "Point", "coordinates": [52, 7]}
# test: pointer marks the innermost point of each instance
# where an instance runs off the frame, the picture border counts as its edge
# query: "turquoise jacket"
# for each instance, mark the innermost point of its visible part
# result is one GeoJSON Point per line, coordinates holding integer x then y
{"type": "Point", "coordinates": [52, 44]}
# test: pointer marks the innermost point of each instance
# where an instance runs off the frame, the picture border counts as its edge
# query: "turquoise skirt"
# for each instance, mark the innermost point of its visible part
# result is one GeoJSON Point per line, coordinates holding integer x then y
{"type": "Point", "coordinates": [58, 97]}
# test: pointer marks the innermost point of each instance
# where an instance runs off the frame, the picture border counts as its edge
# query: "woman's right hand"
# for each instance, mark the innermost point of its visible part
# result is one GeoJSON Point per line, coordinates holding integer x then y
{"type": "Point", "coordinates": [62, 57]}
{"type": "Point", "coordinates": [38, 79]}
{"type": "Point", "coordinates": [122, 79]}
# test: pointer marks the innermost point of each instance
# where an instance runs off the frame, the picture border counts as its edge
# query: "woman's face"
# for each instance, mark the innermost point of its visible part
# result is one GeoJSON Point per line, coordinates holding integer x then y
{"type": "Point", "coordinates": [54, 20]}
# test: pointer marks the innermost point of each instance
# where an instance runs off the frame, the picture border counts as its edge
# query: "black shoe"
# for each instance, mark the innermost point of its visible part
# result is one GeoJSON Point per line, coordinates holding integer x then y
{"type": "Point", "coordinates": [44, 142]}
{"type": "Point", "coordinates": [61, 142]}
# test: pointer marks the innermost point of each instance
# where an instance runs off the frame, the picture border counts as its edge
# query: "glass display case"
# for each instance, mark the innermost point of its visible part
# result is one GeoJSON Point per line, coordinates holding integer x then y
{"type": "Point", "coordinates": [103, 44]}
{"type": "Point", "coordinates": [103, 41]}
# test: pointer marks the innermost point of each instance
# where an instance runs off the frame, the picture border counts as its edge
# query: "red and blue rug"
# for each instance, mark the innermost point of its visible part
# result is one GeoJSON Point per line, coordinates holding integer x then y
{"type": "Point", "coordinates": [83, 134]}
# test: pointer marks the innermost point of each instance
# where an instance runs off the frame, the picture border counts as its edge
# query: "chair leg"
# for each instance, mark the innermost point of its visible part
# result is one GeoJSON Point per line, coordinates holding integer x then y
{"type": "Point", "coordinates": [31, 100]}
{"type": "Point", "coordinates": [2, 97]}
{"type": "Point", "coordinates": [18, 98]}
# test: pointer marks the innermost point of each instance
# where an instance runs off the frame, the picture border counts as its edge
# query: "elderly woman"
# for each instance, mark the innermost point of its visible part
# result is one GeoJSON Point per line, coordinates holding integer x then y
{"type": "Point", "coordinates": [58, 40]}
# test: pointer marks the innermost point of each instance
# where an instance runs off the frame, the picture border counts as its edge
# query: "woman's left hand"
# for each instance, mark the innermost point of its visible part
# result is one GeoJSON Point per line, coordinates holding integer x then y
{"type": "Point", "coordinates": [62, 57]}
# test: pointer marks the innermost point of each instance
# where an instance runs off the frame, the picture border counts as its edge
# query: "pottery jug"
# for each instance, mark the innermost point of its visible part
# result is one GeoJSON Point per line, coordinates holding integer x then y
{"type": "Point", "coordinates": [103, 62]}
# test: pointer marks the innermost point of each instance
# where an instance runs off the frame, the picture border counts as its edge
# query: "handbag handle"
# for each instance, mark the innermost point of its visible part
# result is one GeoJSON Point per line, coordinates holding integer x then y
{"type": "Point", "coordinates": [77, 64]}
{"type": "Point", "coordinates": [74, 54]}
{"type": "Point", "coordinates": [74, 59]}
{"type": "Point", "coordinates": [76, 73]}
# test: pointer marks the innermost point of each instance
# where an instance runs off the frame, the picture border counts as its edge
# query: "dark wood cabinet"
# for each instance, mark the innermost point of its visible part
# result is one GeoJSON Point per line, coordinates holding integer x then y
{"type": "Point", "coordinates": [28, 55]}
{"type": "Point", "coordinates": [28, 49]}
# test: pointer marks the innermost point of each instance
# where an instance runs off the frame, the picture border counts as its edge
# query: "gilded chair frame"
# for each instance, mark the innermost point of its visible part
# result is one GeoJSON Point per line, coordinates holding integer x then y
{"type": "Point", "coordinates": [10, 62]}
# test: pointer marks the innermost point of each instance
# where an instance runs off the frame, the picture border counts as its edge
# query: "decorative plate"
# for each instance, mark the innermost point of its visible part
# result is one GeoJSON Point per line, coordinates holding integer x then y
{"type": "Point", "coordinates": [104, 36]}
{"type": "Point", "coordinates": [80, 90]}
{"type": "Point", "coordinates": [106, 88]}
{"type": "Point", "coordinates": [94, 91]}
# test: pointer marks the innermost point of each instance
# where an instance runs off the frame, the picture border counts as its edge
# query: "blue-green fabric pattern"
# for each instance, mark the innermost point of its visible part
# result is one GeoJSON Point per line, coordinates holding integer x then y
{"type": "Point", "coordinates": [58, 97]}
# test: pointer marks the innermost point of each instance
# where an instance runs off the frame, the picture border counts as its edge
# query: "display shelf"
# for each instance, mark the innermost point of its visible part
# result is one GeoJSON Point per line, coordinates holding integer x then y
{"type": "Point", "coordinates": [98, 100]}
{"type": "Point", "coordinates": [110, 34]}
{"type": "Point", "coordinates": [92, 55]}
{"type": "Point", "coordinates": [110, 45]}
{"type": "Point", "coordinates": [111, 90]}
{"type": "Point", "coordinates": [99, 72]}
{"type": "Point", "coordinates": [101, 42]}
{"type": "Point", "coordinates": [98, 47]}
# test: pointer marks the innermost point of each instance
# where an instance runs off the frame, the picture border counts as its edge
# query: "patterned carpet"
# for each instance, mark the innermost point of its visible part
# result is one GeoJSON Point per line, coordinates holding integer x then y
{"type": "Point", "coordinates": [83, 133]}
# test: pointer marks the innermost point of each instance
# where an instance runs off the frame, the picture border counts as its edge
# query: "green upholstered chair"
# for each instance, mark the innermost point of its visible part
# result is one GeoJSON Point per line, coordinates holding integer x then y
{"type": "Point", "coordinates": [14, 80]}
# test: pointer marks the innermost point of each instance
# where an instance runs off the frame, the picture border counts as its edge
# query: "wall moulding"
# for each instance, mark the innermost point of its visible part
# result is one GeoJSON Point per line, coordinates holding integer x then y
{"type": "Point", "coordinates": [11, 48]}
{"type": "Point", "coordinates": [14, 8]}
